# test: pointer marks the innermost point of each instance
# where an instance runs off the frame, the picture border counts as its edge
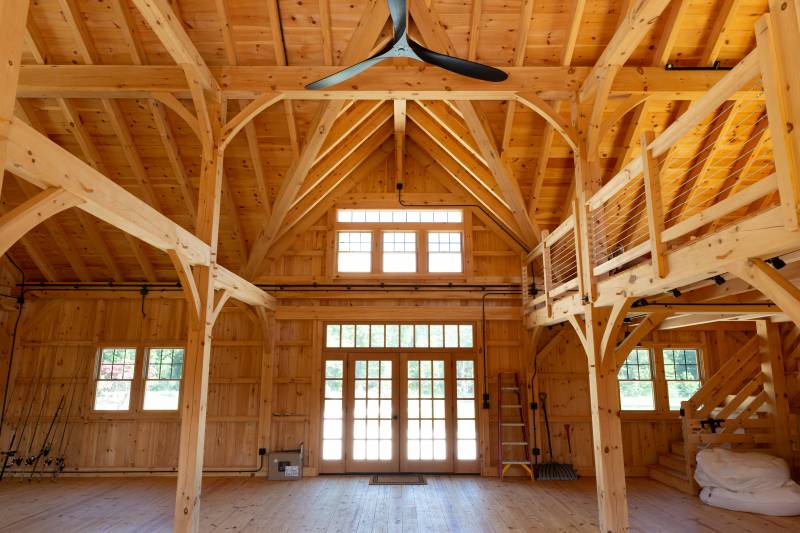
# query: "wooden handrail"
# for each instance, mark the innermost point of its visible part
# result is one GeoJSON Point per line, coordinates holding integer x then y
{"type": "Point", "coordinates": [561, 230]}
{"type": "Point", "coordinates": [728, 370]}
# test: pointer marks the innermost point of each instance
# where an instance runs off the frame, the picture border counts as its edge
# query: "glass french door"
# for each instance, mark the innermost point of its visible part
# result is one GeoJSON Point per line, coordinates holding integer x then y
{"type": "Point", "coordinates": [426, 429]}
{"type": "Point", "coordinates": [373, 415]}
{"type": "Point", "coordinates": [400, 413]}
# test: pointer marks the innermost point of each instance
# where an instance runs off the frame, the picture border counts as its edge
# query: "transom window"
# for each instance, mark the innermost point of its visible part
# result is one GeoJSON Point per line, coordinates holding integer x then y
{"type": "Point", "coordinates": [163, 383]}
{"type": "Point", "coordinates": [399, 216]}
{"type": "Point", "coordinates": [399, 336]}
{"type": "Point", "coordinates": [682, 372]}
{"type": "Point", "coordinates": [115, 371]}
{"type": "Point", "coordinates": [636, 382]}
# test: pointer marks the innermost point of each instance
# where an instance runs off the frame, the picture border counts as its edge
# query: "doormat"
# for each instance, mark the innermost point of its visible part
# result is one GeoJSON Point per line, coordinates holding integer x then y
{"type": "Point", "coordinates": [398, 479]}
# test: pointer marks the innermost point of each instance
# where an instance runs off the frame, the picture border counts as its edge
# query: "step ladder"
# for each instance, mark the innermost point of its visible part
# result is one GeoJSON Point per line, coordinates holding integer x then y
{"type": "Point", "coordinates": [512, 426]}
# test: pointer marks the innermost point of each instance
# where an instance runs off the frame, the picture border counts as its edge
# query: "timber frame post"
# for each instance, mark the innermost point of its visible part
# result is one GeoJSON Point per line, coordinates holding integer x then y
{"type": "Point", "coordinates": [778, 32]}
{"type": "Point", "coordinates": [606, 421]}
{"type": "Point", "coordinates": [14, 15]}
{"type": "Point", "coordinates": [598, 331]}
{"type": "Point", "coordinates": [194, 396]}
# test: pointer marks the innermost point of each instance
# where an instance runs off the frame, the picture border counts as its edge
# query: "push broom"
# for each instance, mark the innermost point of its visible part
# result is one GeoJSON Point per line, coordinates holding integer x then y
{"type": "Point", "coordinates": [551, 470]}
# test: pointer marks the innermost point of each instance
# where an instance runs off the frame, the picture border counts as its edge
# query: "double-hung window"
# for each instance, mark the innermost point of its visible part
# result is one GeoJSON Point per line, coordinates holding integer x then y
{"type": "Point", "coordinates": [659, 378]}
{"type": "Point", "coordinates": [115, 371]}
{"type": "Point", "coordinates": [636, 382]}
{"type": "Point", "coordinates": [123, 384]}
{"type": "Point", "coordinates": [354, 251]}
{"type": "Point", "coordinates": [399, 251]}
{"type": "Point", "coordinates": [162, 385]}
{"type": "Point", "coordinates": [682, 373]}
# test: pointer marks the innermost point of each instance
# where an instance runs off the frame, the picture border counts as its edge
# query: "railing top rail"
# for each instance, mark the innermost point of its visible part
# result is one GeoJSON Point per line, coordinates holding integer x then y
{"type": "Point", "coordinates": [561, 230]}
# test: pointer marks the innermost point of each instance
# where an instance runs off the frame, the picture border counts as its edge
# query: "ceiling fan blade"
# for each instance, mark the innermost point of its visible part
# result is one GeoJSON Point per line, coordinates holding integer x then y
{"type": "Point", "coordinates": [397, 9]}
{"type": "Point", "coordinates": [459, 66]}
{"type": "Point", "coordinates": [347, 73]}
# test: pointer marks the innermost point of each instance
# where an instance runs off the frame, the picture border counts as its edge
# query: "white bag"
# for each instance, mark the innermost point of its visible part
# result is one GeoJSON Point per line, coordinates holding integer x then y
{"type": "Point", "coordinates": [780, 501]}
{"type": "Point", "coordinates": [740, 471]}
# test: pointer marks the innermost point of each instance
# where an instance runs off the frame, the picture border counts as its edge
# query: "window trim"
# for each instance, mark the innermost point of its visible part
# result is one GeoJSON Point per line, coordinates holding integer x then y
{"type": "Point", "coordinates": [145, 379]}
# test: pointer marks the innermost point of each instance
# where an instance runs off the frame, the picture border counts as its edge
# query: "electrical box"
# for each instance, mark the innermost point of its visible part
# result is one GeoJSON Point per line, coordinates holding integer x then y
{"type": "Point", "coordinates": [285, 465]}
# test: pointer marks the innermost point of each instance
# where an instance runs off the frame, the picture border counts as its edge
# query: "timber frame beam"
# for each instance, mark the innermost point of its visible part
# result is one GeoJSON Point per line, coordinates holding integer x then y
{"type": "Point", "coordinates": [379, 83]}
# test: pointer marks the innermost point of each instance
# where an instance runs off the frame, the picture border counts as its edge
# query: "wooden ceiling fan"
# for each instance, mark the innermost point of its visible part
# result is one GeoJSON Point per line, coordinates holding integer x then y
{"type": "Point", "coordinates": [403, 46]}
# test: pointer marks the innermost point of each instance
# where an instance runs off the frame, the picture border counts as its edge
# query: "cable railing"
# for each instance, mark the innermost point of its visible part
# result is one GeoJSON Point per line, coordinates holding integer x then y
{"type": "Point", "coordinates": [552, 267]}
{"type": "Point", "coordinates": [711, 167]}
{"type": "Point", "coordinates": [712, 164]}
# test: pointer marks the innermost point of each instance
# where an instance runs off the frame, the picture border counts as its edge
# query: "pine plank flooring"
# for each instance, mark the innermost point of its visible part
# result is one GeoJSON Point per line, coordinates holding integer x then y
{"type": "Point", "coordinates": [349, 504]}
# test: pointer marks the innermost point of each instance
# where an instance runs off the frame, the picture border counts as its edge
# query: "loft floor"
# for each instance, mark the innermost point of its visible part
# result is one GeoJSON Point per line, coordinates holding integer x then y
{"type": "Point", "coordinates": [350, 504]}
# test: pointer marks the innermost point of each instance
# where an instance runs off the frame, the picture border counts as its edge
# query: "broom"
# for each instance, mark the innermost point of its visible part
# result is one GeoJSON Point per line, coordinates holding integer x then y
{"type": "Point", "coordinates": [551, 470]}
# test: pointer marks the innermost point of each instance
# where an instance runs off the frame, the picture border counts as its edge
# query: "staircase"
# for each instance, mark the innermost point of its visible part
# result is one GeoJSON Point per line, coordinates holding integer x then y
{"type": "Point", "coordinates": [730, 410]}
{"type": "Point", "coordinates": [672, 469]}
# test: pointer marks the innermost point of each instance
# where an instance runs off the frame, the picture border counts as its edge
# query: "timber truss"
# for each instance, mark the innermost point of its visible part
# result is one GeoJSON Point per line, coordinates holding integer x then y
{"type": "Point", "coordinates": [653, 227]}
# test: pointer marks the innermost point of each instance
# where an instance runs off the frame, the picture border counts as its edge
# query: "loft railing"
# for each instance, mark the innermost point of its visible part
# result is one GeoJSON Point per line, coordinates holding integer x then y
{"type": "Point", "coordinates": [712, 167]}
{"type": "Point", "coordinates": [552, 267]}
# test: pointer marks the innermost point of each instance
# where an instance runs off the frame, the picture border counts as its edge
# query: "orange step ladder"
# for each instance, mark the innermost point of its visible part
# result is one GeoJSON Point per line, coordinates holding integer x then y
{"type": "Point", "coordinates": [512, 426]}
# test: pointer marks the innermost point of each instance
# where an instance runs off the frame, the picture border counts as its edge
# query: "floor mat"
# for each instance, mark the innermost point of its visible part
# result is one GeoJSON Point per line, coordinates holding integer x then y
{"type": "Point", "coordinates": [398, 479]}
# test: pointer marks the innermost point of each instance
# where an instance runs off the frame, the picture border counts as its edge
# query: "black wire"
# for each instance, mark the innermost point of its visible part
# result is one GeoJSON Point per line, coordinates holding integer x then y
{"type": "Point", "coordinates": [478, 206]}
{"type": "Point", "coordinates": [21, 301]}
{"type": "Point", "coordinates": [483, 335]}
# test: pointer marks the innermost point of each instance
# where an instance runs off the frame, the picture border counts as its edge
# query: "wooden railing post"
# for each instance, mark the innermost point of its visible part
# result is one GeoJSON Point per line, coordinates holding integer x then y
{"type": "Point", "coordinates": [778, 38]}
{"type": "Point", "coordinates": [654, 206]}
{"type": "Point", "coordinates": [524, 280]}
{"type": "Point", "coordinates": [585, 186]}
{"type": "Point", "coordinates": [547, 273]}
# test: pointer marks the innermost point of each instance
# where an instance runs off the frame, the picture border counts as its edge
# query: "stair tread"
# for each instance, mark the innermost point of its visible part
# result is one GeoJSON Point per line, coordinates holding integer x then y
{"type": "Point", "coordinates": [512, 424]}
{"type": "Point", "coordinates": [516, 462]}
{"type": "Point", "coordinates": [515, 443]}
{"type": "Point", "coordinates": [509, 388]}
{"type": "Point", "coordinates": [669, 471]}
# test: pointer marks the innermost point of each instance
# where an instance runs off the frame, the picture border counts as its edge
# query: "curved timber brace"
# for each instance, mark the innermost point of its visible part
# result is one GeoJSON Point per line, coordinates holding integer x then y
{"type": "Point", "coordinates": [26, 216]}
